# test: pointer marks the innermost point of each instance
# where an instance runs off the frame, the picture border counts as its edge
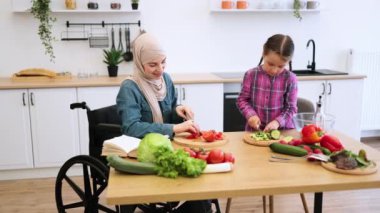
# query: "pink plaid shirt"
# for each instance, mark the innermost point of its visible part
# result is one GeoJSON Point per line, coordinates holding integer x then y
{"type": "Point", "coordinates": [269, 97]}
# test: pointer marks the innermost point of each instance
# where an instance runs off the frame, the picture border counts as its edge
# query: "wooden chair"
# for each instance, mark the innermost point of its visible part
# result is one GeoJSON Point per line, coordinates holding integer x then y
{"type": "Point", "coordinates": [303, 105]}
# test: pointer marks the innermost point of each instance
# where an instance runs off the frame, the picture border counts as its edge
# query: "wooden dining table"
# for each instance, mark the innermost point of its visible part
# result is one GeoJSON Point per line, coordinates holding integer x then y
{"type": "Point", "coordinates": [253, 175]}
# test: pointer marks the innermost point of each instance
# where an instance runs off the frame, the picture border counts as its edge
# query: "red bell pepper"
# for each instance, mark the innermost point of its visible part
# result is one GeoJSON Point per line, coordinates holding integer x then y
{"type": "Point", "coordinates": [332, 143]}
{"type": "Point", "coordinates": [311, 134]}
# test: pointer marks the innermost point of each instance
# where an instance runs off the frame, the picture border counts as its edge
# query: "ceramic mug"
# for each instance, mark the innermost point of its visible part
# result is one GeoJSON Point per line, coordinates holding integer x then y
{"type": "Point", "coordinates": [227, 4]}
{"type": "Point", "coordinates": [312, 4]}
{"type": "Point", "coordinates": [242, 4]}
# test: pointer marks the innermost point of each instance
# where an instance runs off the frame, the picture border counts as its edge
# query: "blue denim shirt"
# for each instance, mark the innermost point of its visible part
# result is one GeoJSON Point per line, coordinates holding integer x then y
{"type": "Point", "coordinates": [135, 112]}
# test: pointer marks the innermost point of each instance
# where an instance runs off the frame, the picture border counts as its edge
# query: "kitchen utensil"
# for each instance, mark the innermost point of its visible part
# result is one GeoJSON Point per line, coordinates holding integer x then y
{"type": "Point", "coordinates": [113, 38]}
{"type": "Point", "coordinates": [120, 47]}
{"type": "Point", "coordinates": [320, 157]}
{"type": "Point", "coordinates": [99, 38]}
{"type": "Point", "coordinates": [128, 56]}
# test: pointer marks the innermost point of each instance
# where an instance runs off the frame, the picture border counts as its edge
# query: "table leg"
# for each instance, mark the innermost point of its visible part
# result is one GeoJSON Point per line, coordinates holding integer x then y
{"type": "Point", "coordinates": [127, 208]}
{"type": "Point", "coordinates": [318, 198]}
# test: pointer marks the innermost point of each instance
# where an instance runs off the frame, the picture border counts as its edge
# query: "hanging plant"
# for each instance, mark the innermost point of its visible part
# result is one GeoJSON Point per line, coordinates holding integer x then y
{"type": "Point", "coordinates": [41, 11]}
{"type": "Point", "coordinates": [297, 7]}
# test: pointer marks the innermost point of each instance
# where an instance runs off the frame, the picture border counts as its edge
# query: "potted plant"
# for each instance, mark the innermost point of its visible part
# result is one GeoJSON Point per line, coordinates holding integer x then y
{"type": "Point", "coordinates": [135, 4]}
{"type": "Point", "coordinates": [41, 11]}
{"type": "Point", "coordinates": [297, 6]}
{"type": "Point", "coordinates": [112, 58]}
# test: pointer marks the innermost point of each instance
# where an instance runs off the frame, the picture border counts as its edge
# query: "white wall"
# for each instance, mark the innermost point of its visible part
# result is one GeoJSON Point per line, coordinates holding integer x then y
{"type": "Point", "coordinates": [195, 39]}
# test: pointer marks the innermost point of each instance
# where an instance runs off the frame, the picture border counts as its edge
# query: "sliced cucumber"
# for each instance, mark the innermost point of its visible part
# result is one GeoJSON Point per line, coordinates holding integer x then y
{"type": "Point", "coordinates": [275, 134]}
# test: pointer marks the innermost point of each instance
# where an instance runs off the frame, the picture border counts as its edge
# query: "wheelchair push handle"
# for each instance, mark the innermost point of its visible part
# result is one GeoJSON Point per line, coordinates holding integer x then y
{"type": "Point", "coordinates": [78, 105]}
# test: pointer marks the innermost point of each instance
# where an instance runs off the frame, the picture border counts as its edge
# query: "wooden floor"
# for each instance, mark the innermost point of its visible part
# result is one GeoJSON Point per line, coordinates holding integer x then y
{"type": "Point", "coordinates": [37, 195]}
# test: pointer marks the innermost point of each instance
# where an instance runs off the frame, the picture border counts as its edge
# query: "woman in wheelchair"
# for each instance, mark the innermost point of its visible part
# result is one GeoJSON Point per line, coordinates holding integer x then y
{"type": "Point", "coordinates": [147, 102]}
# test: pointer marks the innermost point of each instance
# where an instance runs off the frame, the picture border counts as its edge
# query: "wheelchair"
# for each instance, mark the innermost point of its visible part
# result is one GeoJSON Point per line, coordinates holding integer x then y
{"type": "Point", "coordinates": [103, 124]}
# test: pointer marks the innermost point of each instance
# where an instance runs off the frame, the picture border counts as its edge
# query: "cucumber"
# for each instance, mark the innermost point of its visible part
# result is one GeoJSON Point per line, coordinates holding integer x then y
{"type": "Point", "coordinates": [275, 134]}
{"type": "Point", "coordinates": [288, 149]}
{"type": "Point", "coordinates": [133, 167]}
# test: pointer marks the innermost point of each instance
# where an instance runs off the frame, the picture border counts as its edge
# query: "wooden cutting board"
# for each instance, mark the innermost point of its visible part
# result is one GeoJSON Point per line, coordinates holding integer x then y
{"type": "Point", "coordinates": [248, 139]}
{"type": "Point", "coordinates": [181, 139]}
{"type": "Point", "coordinates": [358, 171]}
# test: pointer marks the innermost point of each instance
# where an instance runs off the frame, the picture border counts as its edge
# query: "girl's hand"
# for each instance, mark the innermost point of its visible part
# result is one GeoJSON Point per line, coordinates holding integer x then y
{"type": "Point", "coordinates": [254, 122]}
{"type": "Point", "coordinates": [186, 126]}
{"type": "Point", "coordinates": [272, 125]}
{"type": "Point", "coordinates": [184, 112]}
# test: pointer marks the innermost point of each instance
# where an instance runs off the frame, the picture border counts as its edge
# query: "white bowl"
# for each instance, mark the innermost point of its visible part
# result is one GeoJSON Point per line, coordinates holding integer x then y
{"type": "Point", "coordinates": [302, 119]}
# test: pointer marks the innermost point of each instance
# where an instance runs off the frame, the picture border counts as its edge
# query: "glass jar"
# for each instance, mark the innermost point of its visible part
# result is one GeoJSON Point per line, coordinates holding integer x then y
{"type": "Point", "coordinates": [71, 4]}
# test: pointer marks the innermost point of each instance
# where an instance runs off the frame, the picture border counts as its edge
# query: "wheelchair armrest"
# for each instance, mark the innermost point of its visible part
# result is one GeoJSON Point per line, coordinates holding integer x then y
{"type": "Point", "coordinates": [112, 128]}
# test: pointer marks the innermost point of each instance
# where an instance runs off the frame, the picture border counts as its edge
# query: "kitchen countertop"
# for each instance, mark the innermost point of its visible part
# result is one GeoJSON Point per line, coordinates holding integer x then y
{"type": "Point", "coordinates": [178, 78]}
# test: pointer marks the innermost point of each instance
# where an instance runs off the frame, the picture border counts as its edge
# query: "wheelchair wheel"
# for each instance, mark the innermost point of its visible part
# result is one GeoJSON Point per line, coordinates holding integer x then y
{"type": "Point", "coordinates": [87, 188]}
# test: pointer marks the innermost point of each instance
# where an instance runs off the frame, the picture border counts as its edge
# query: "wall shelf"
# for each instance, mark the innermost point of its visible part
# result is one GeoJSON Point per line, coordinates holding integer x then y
{"type": "Point", "coordinates": [23, 6]}
{"type": "Point", "coordinates": [218, 10]}
{"type": "Point", "coordinates": [83, 11]}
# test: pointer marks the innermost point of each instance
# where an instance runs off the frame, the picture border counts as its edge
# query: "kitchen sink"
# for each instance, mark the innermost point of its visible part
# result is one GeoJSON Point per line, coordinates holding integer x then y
{"type": "Point", "coordinates": [317, 72]}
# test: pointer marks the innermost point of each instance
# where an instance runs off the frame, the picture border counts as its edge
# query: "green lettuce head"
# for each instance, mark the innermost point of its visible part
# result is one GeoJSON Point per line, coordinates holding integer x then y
{"type": "Point", "coordinates": [150, 144]}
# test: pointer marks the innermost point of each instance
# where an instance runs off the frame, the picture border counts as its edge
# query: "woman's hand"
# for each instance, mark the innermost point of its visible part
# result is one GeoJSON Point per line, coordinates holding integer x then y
{"type": "Point", "coordinates": [254, 122]}
{"type": "Point", "coordinates": [186, 126]}
{"type": "Point", "coordinates": [272, 125]}
{"type": "Point", "coordinates": [184, 112]}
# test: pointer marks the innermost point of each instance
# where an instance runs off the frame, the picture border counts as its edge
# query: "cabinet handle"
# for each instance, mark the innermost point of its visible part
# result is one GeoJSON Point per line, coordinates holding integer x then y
{"type": "Point", "coordinates": [324, 88]}
{"type": "Point", "coordinates": [176, 92]}
{"type": "Point", "coordinates": [330, 89]}
{"type": "Point", "coordinates": [32, 98]}
{"type": "Point", "coordinates": [183, 94]}
{"type": "Point", "coordinates": [23, 99]}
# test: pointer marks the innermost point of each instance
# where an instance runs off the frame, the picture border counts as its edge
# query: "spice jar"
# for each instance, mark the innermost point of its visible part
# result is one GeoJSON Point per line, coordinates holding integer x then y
{"type": "Point", "coordinates": [71, 4]}
{"type": "Point", "coordinates": [115, 5]}
{"type": "Point", "coordinates": [92, 5]}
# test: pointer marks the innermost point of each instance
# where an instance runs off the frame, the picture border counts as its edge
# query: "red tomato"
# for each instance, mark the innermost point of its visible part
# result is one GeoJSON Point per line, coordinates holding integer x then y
{"type": "Point", "coordinates": [317, 151]}
{"type": "Point", "coordinates": [209, 136]}
{"type": "Point", "coordinates": [191, 152]}
{"type": "Point", "coordinates": [215, 156]}
{"type": "Point", "coordinates": [307, 148]}
{"type": "Point", "coordinates": [193, 135]}
{"type": "Point", "coordinates": [218, 136]}
{"type": "Point", "coordinates": [202, 155]}
{"type": "Point", "coordinates": [295, 142]}
{"type": "Point", "coordinates": [228, 157]}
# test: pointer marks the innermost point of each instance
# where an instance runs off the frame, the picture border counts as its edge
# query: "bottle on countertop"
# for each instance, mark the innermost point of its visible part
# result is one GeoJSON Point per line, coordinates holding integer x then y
{"type": "Point", "coordinates": [319, 117]}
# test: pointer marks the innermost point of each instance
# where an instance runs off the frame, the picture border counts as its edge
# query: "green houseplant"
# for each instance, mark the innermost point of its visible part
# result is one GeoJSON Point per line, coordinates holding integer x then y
{"type": "Point", "coordinates": [135, 4]}
{"type": "Point", "coordinates": [41, 11]}
{"type": "Point", "coordinates": [113, 58]}
{"type": "Point", "coordinates": [297, 7]}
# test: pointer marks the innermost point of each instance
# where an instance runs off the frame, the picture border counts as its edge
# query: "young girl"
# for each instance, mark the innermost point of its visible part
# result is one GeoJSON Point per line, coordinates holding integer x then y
{"type": "Point", "coordinates": [268, 97]}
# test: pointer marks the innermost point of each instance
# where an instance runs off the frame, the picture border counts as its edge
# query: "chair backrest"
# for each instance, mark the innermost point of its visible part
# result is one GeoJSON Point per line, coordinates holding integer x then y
{"type": "Point", "coordinates": [305, 105]}
{"type": "Point", "coordinates": [102, 123]}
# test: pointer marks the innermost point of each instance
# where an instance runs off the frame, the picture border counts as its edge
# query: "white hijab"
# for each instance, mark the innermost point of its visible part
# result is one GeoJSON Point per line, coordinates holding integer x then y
{"type": "Point", "coordinates": [145, 49]}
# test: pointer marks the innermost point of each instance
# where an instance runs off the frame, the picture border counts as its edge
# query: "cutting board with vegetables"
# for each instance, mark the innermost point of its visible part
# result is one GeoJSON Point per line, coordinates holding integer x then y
{"type": "Point", "coordinates": [261, 138]}
{"type": "Point", "coordinates": [357, 171]}
{"type": "Point", "coordinates": [199, 142]}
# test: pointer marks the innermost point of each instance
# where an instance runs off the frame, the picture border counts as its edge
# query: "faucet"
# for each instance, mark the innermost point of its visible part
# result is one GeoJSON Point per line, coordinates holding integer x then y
{"type": "Point", "coordinates": [312, 65]}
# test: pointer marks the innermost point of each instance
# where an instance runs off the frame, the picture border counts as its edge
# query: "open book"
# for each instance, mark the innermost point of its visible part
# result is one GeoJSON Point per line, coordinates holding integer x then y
{"type": "Point", "coordinates": [122, 146]}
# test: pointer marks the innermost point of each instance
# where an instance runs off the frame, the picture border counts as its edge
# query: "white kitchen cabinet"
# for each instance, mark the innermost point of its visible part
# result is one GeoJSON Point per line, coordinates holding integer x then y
{"type": "Point", "coordinates": [341, 98]}
{"type": "Point", "coordinates": [54, 126]}
{"type": "Point", "coordinates": [39, 128]}
{"type": "Point", "coordinates": [206, 101]}
{"type": "Point", "coordinates": [16, 142]}
{"type": "Point", "coordinates": [95, 97]}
